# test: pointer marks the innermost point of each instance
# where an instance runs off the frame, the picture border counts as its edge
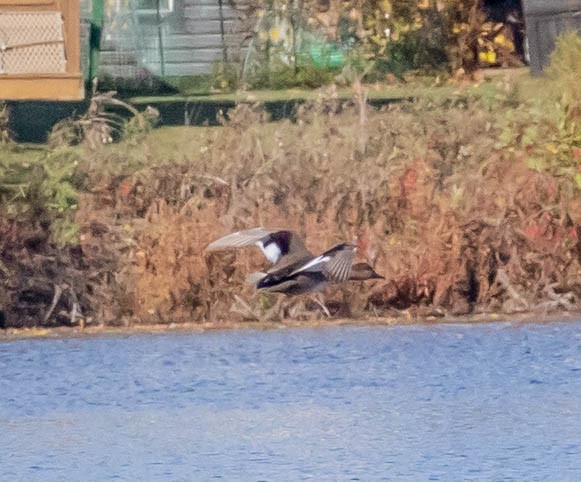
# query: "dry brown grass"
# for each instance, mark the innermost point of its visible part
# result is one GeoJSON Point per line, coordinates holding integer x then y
{"type": "Point", "coordinates": [449, 213]}
{"type": "Point", "coordinates": [465, 206]}
{"type": "Point", "coordinates": [456, 224]}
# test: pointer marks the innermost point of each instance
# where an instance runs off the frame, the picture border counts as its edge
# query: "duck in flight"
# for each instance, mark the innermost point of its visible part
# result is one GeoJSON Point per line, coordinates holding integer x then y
{"type": "Point", "coordinates": [295, 270]}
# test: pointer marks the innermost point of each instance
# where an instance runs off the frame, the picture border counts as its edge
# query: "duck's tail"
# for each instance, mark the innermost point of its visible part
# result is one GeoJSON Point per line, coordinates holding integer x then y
{"type": "Point", "coordinates": [254, 278]}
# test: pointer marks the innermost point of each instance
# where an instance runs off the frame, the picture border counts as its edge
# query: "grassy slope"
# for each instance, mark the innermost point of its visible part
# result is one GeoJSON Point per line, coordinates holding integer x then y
{"type": "Point", "coordinates": [377, 92]}
{"type": "Point", "coordinates": [172, 143]}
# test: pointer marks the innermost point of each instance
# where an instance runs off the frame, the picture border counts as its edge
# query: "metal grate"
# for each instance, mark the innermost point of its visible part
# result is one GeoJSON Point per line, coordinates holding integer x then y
{"type": "Point", "coordinates": [31, 43]}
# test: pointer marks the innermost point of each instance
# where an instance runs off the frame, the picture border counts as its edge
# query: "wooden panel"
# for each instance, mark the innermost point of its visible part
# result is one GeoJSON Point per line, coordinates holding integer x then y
{"type": "Point", "coordinates": [183, 41]}
{"type": "Point", "coordinates": [200, 26]}
{"type": "Point", "coordinates": [24, 3]}
{"type": "Point", "coordinates": [190, 55]}
{"type": "Point", "coordinates": [240, 4]}
{"type": "Point", "coordinates": [70, 9]}
{"type": "Point", "coordinates": [209, 12]}
{"type": "Point", "coordinates": [33, 42]}
{"type": "Point", "coordinates": [120, 71]}
{"type": "Point", "coordinates": [42, 88]}
{"type": "Point", "coordinates": [117, 57]}
{"type": "Point", "coordinates": [542, 32]}
{"type": "Point", "coordinates": [544, 7]}
{"type": "Point", "coordinates": [184, 69]}
{"type": "Point", "coordinates": [177, 70]}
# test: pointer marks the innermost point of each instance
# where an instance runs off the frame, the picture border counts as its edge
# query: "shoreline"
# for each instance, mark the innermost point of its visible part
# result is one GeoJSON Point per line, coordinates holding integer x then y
{"type": "Point", "coordinates": [68, 332]}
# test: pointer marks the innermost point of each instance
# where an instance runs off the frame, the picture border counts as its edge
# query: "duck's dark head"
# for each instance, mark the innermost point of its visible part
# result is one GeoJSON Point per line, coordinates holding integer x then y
{"type": "Point", "coordinates": [362, 271]}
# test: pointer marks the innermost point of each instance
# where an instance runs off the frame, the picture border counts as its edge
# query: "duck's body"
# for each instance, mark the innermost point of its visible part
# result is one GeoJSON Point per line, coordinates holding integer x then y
{"type": "Point", "coordinates": [295, 269]}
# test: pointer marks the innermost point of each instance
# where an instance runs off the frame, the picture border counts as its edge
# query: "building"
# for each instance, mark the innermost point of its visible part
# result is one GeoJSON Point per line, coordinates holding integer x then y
{"type": "Point", "coordinates": [40, 50]}
{"type": "Point", "coordinates": [49, 48]}
{"type": "Point", "coordinates": [544, 22]}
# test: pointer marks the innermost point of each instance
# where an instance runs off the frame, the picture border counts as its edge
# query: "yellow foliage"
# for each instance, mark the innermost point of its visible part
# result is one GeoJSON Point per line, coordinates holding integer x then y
{"type": "Point", "coordinates": [274, 34]}
{"type": "Point", "coordinates": [501, 40]}
{"type": "Point", "coordinates": [488, 56]}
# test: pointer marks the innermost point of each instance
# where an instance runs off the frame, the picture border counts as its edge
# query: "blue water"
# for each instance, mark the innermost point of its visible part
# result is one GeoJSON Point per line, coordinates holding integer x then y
{"type": "Point", "coordinates": [445, 402]}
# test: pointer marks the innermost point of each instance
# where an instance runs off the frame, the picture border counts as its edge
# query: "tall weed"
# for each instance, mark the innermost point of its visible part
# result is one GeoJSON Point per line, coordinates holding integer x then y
{"type": "Point", "coordinates": [547, 128]}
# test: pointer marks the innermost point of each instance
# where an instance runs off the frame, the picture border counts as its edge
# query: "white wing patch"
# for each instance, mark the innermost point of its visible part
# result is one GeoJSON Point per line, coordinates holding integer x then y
{"type": "Point", "coordinates": [271, 251]}
{"type": "Point", "coordinates": [314, 262]}
{"type": "Point", "coordinates": [335, 265]}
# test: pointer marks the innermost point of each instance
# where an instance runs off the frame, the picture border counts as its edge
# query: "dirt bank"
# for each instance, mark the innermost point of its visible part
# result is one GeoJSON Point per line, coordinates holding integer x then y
{"type": "Point", "coordinates": [60, 332]}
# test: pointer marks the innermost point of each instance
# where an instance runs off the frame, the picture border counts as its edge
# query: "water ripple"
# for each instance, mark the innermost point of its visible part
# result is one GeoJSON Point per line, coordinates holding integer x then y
{"type": "Point", "coordinates": [446, 402]}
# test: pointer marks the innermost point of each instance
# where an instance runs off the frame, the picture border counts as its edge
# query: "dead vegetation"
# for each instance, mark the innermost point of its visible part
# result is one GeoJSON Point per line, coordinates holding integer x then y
{"type": "Point", "coordinates": [455, 223]}
{"type": "Point", "coordinates": [456, 220]}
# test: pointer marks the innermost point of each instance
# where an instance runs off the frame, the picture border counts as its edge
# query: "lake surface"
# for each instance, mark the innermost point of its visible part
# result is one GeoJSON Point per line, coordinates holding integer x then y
{"type": "Point", "coordinates": [428, 402]}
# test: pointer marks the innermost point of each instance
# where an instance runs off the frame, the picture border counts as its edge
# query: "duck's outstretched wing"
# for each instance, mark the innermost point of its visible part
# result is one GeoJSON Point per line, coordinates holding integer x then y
{"type": "Point", "coordinates": [239, 239]}
{"type": "Point", "coordinates": [274, 243]}
{"type": "Point", "coordinates": [335, 263]}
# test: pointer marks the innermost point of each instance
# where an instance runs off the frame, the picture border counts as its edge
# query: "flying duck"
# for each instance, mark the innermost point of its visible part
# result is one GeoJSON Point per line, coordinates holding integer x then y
{"type": "Point", "coordinates": [295, 270]}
